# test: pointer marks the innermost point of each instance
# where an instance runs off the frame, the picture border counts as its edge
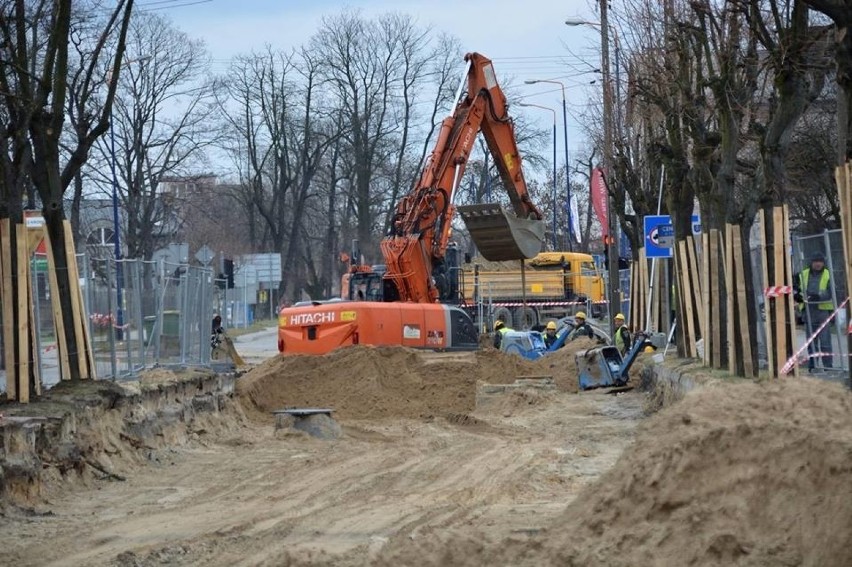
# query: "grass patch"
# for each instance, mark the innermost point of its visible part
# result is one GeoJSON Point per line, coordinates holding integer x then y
{"type": "Point", "coordinates": [258, 325]}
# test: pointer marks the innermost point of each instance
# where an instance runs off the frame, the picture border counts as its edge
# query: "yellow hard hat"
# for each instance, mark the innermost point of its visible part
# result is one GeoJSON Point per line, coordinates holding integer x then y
{"type": "Point", "coordinates": [619, 317]}
{"type": "Point", "coordinates": [579, 315]}
{"type": "Point", "coordinates": [498, 323]}
{"type": "Point", "coordinates": [649, 348]}
{"type": "Point", "coordinates": [551, 326]}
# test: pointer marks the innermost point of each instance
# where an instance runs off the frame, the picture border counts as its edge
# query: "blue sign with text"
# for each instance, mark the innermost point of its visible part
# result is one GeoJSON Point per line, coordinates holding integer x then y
{"type": "Point", "coordinates": [659, 235]}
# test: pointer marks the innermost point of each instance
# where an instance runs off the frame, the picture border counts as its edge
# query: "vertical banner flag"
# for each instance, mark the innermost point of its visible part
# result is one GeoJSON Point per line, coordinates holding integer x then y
{"type": "Point", "coordinates": [572, 211]}
{"type": "Point", "coordinates": [575, 219]}
{"type": "Point", "coordinates": [599, 199]}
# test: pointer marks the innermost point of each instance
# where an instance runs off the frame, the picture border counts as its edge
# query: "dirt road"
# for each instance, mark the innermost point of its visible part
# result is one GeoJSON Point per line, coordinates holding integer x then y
{"type": "Point", "coordinates": [257, 497]}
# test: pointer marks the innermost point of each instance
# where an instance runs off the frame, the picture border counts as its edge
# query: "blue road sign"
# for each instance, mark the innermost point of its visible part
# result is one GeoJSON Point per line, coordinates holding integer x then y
{"type": "Point", "coordinates": [659, 236]}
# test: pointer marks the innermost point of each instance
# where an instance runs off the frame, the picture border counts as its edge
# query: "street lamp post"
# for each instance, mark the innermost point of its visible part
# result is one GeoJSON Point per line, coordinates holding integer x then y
{"type": "Point", "coordinates": [116, 224]}
{"type": "Point", "coordinates": [554, 166]}
{"type": "Point", "coordinates": [575, 23]}
{"type": "Point", "coordinates": [116, 230]}
{"type": "Point", "coordinates": [612, 250]}
{"type": "Point", "coordinates": [567, 167]}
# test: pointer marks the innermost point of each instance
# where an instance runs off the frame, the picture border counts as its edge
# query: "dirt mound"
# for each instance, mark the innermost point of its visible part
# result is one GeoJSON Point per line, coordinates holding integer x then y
{"type": "Point", "coordinates": [498, 367]}
{"type": "Point", "coordinates": [365, 382]}
{"type": "Point", "coordinates": [735, 474]}
{"type": "Point", "coordinates": [745, 474]}
{"type": "Point", "coordinates": [380, 382]}
{"type": "Point", "coordinates": [562, 366]}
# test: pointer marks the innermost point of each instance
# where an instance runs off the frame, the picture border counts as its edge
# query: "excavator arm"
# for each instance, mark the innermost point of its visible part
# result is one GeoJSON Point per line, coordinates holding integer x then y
{"type": "Point", "coordinates": [415, 249]}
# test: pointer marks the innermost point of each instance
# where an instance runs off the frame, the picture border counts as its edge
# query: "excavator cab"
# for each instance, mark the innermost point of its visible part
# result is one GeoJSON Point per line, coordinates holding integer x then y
{"type": "Point", "coordinates": [372, 286]}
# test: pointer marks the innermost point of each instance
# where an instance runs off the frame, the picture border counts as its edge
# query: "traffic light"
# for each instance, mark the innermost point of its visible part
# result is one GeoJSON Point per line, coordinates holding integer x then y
{"type": "Point", "coordinates": [229, 272]}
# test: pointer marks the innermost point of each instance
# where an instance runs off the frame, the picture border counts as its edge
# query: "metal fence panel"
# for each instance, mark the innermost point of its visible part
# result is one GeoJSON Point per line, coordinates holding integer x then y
{"type": "Point", "coordinates": [829, 243]}
{"type": "Point", "coordinates": [165, 315]}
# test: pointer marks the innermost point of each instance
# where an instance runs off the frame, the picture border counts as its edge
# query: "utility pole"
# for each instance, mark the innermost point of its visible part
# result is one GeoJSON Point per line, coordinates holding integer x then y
{"type": "Point", "coordinates": [612, 249]}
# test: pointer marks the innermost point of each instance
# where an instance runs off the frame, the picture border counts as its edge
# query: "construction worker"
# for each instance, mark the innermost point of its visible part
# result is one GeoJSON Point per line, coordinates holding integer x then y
{"type": "Point", "coordinates": [581, 327]}
{"type": "Point", "coordinates": [217, 331]}
{"type": "Point", "coordinates": [500, 329]}
{"type": "Point", "coordinates": [812, 293]}
{"type": "Point", "coordinates": [622, 339]}
{"type": "Point", "coordinates": [550, 334]}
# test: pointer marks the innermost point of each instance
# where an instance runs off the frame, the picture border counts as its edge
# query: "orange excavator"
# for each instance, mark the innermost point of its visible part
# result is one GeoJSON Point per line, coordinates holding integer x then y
{"type": "Point", "coordinates": [400, 303]}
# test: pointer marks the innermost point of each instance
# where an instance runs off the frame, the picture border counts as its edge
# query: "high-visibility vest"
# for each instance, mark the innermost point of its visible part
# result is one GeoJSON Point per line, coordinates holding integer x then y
{"type": "Point", "coordinates": [804, 275]}
{"type": "Point", "coordinates": [619, 340]}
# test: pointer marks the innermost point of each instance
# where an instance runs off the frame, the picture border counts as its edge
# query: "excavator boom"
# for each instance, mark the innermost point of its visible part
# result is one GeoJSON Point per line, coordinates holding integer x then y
{"type": "Point", "coordinates": [415, 249]}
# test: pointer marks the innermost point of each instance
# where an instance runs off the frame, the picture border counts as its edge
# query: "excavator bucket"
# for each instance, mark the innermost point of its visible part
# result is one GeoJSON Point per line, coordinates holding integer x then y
{"type": "Point", "coordinates": [500, 235]}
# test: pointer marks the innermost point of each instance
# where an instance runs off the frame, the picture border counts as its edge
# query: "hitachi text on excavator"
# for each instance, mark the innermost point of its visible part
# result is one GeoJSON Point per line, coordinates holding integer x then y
{"type": "Point", "coordinates": [404, 301]}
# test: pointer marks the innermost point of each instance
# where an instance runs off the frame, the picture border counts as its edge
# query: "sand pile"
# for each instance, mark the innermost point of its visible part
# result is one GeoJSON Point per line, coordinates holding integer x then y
{"type": "Point", "coordinates": [562, 365]}
{"type": "Point", "coordinates": [374, 382]}
{"type": "Point", "coordinates": [735, 474]}
{"type": "Point", "coordinates": [378, 382]}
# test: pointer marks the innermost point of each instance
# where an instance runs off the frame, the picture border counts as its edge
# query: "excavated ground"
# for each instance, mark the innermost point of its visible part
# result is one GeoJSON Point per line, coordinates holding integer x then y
{"type": "Point", "coordinates": [429, 472]}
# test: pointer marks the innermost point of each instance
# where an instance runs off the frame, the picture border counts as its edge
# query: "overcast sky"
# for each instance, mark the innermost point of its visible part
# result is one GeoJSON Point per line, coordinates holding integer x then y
{"type": "Point", "coordinates": [527, 39]}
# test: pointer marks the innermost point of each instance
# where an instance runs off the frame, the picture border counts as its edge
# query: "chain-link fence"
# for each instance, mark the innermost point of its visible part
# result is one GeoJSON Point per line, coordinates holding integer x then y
{"type": "Point", "coordinates": [140, 314]}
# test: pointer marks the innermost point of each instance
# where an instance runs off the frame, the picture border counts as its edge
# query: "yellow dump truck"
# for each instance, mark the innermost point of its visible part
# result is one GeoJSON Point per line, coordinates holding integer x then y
{"type": "Point", "coordinates": [557, 283]}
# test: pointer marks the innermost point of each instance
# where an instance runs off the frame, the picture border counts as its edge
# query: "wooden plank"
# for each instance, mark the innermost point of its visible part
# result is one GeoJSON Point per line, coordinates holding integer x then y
{"type": "Point", "coordinates": [744, 334]}
{"type": "Point", "coordinates": [35, 234]}
{"type": "Point", "coordinates": [8, 311]}
{"type": "Point", "coordinates": [33, 338]}
{"type": "Point", "coordinates": [731, 343]}
{"type": "Point", "coordinates": [660, 317]}
{"type": "Point", "coordinates": [767, 319]}
{"type": "Point", "coordinates": [656, 298]}
{"type": "Point", "coordinates": [705, 294]}
{"type": "Point", "coordinates": [633, 299]}
{"type": "Point", "coordinates": [33, 237]}
{"type": "Point", "coordinates": [646, 284]}
{"type": "Point", "coordinates": [843, 177]}
{"type": "Point", "coordinates": [84, 348]}
{"type": "Point", "coordinates": [790, 336]}
{"type": "Point", "coordinates": [84, 316]}
{"type": "Point", "coordinates": [23, 311]}
{"type": "Point", "coordinates": [56, 307]}
{"type": "Point", "coordinates": [686, 300]}
{"type": "Point", "coordinates": [715, 298]}
{"type": "Point", "coordinates": [637, 313]}
{"type": "Point", "coordinates": [780, 313]}
{"type": "Point", "coordinates": [640, 285]}
{"type": "Point", "coordinates": [695, 274]}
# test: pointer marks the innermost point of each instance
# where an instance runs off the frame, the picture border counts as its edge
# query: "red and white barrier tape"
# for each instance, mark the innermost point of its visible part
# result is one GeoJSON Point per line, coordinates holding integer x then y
{"type": "Point", "coordinates": [536, 304]}
{"type": "Point", "coordinates": [788, 366]}
{"type": "Point", "coordinates": [777, 290]}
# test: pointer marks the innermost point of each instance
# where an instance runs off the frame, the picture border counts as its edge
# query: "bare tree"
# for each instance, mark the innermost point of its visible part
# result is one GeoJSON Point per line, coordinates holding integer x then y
{"type": "Point", "coordinates": [814, 205]}
{"type": "Point", "coordinates": [797, 58]}
{"type": "Point", "coordinates": [161, 128]}
{"type": "Point", "coordinates": [377, 70]}
{"type": "Point", "coordinates": [279, 133]}
{"type": "Point", "coordinates": [840, 13]}
{"type": "Point", "coordinates": [34, 84]}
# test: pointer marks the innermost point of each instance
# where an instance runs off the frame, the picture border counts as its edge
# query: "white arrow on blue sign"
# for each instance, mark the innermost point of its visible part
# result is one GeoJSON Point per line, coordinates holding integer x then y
{"type": "Point", "coordinates": [659, 235]}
